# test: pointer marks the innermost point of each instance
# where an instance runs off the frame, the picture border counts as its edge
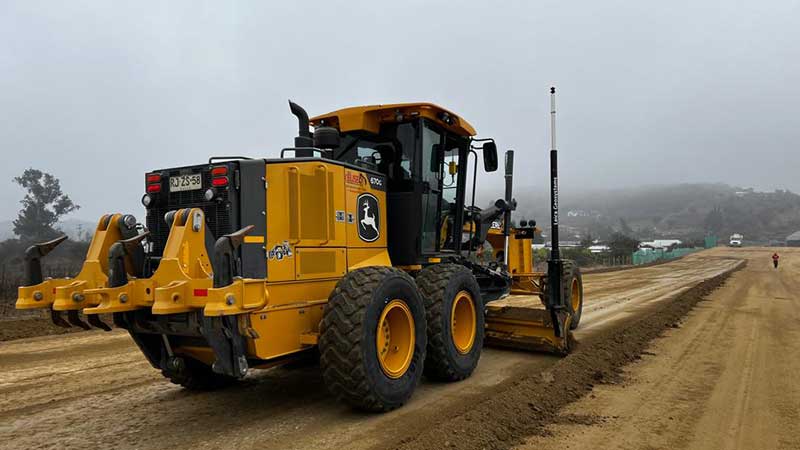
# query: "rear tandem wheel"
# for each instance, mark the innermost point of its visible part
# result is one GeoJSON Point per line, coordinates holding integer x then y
{"type": "Point", "coordinates": [455, 315]}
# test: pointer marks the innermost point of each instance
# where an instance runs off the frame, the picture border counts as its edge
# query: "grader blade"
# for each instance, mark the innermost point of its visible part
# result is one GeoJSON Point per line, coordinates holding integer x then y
{"type": "Point", "coordinates": [522, 323]}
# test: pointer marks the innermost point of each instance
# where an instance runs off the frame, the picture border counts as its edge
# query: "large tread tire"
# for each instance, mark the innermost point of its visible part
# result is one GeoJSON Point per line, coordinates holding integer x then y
{"type": "Point", "coordinates": [439, 284]}
{"type": "Point", "coordinates": [348, 349]}
{"type": "Point", "coordinates": [196, 376]}
{"type": "Point", "coordinates": [570, 274]}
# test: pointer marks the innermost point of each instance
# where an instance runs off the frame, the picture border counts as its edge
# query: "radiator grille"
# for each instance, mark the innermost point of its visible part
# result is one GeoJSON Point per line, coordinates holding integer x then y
{"type": "Point", "coordinates": [219, 214]}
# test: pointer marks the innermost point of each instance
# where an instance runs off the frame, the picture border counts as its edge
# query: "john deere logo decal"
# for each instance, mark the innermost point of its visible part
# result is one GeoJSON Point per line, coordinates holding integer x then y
{"type": "Point", "coordinates": [369, 220]}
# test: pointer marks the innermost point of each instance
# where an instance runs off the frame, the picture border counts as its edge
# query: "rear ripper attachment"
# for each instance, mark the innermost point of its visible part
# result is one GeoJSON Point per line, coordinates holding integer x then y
{"type": "Point", "coordinates": [71, 295]}
{"type": "Point", "coordinates": [185, 311]}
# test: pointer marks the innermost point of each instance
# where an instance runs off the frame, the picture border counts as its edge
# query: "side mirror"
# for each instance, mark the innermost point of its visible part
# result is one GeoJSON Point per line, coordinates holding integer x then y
{"type": "Point", "coordinates": [490, 156]}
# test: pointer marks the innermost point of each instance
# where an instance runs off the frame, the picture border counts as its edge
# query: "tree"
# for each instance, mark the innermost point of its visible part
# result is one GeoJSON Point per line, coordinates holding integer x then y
{"type": "Point", "coordinates": [42, 206]}
{"type": "Point", "coordinates": [622, 245]}
{"type": "Point", "coordinates": [588, 240]}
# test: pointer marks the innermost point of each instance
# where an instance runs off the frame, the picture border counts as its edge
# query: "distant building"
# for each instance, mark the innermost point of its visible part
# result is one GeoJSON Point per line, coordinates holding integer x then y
{"type": "Point", "coordinates": [793, 240]}
{"type": "Point", "coordinates": [597, 248]}
{"type": "Point", "coordinates": [564, 244]}
{"type": "Point", "coordinates": [660, 243]}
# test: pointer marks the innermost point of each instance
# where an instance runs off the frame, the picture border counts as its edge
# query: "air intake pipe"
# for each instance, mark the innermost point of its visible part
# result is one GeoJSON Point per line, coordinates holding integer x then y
{"type": "Point", "coordinates": [304, 138]}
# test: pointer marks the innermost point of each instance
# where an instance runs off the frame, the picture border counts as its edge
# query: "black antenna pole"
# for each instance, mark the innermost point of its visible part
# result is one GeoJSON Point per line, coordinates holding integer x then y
{"type": "Point", "coordinates": [555, 254]}
{"type": "Point", "coordinates": [556, 303]}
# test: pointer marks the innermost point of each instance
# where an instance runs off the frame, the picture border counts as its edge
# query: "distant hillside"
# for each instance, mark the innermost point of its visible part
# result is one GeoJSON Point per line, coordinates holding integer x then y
{"type": "Point", "coordinates": [76, 229]}
{"type": "Point", "coordinates": [670, 211]}
{"type": "Point", "coordinates": [681, 211]}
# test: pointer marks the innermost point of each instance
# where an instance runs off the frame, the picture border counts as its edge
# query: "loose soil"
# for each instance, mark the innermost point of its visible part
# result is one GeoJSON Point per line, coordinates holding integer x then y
{"type": "Point", "coordinates": [29, 326]}
{"type": "Point", "coordinates": [527, 403]}
{"type": "Point", "coordinates": [726, 378]}
{"type": "Point", "coordinates": [94, 389]}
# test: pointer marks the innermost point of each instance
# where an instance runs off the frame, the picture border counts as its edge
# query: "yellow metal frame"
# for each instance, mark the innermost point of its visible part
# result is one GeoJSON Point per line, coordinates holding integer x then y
{"type": "Point", "coordinates": [65, 294]}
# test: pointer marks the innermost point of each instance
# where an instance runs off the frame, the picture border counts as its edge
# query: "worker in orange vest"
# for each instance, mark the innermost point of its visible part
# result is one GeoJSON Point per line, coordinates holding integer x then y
{"type": "Point", "coordinates": [775, 258]}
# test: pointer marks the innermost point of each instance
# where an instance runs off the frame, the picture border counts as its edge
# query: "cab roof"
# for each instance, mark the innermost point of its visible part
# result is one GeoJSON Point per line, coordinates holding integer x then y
{"type": "Point", "coordinates": [370, 117]}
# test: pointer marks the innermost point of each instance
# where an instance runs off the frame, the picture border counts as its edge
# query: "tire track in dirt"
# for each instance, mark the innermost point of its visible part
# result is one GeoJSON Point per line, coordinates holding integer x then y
{"type": "Point", "coordinates": [526, 404]}
{"type": "Point", "coordinates": [96, 388]}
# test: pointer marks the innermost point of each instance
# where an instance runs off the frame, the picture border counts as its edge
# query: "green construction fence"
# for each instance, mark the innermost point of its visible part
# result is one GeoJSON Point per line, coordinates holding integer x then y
{"type": "Point", "coordinates": [645, 256]}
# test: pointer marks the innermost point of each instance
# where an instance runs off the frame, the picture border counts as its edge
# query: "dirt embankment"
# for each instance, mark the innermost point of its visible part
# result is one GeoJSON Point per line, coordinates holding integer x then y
{"type": "Point", "coordinates": [524, 405]}
{"type": "Point", "coordinates": [30, 326]}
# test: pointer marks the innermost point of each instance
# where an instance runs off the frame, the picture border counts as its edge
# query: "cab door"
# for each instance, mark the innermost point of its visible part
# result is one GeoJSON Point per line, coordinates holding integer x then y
{"type": "Point", "coordinates": [430, 179]}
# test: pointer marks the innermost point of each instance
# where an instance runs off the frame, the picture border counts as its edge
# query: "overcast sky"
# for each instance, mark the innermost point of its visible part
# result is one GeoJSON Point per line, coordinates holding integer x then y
{"type": "Point", "coordinates": [100, 92]}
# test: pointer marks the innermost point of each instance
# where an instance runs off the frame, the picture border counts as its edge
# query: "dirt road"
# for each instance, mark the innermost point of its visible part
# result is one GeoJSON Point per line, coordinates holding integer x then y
{"type": "Point", "coordinates": [726, 379]}
{"type": "Point", "coordinates": [94, 389]}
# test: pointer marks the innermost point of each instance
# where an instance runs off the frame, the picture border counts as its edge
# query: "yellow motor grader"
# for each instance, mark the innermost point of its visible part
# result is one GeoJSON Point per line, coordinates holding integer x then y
{"type": "Point", "coordinates": [358, 243]}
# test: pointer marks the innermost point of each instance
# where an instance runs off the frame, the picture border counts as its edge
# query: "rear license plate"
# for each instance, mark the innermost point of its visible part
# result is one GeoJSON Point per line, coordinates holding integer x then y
{"type": "Point", "coordinates": [185, 182]}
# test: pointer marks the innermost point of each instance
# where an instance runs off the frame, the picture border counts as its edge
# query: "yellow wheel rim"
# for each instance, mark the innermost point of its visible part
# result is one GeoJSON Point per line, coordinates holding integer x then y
{"type": "Point", "coordinates": [576, 295]}
{"type": "Point", "coordinates": [395, 339]}
{"type": "Point", "coordinates": [462, 322]}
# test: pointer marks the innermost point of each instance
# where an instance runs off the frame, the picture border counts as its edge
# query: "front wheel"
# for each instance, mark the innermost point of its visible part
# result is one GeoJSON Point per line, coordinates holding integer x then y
{"type": "Point", "coordinates": [372, 339]}
{"type": "Point", "coordinates": [573, 285]}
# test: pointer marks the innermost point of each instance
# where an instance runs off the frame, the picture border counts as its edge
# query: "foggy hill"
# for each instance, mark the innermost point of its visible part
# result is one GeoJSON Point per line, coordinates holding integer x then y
{"type": "Point", "coordinates": [76, 229]}
{"type": "Point", "coordinates": [660, 211]}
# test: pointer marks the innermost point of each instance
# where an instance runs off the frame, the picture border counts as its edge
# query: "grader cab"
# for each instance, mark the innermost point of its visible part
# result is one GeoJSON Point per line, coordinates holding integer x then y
{"type": "Point", "coordinates": [358, 241]}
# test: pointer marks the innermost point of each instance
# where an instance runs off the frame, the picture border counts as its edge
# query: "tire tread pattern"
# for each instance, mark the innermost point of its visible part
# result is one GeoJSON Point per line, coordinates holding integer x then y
{"type": "Point", "coordinates": [341, 356]}
{"type": "Point", "coordinates": [432, 282]}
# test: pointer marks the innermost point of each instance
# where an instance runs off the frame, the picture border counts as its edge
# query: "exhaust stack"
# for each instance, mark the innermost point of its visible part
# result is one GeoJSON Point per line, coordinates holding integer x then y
{"type": "Point", "coordinates": [304, 138]}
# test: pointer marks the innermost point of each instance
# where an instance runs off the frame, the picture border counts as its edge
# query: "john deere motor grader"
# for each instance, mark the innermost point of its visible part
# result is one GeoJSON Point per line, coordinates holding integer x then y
{"type": "Point", "coordinates": [358, 241]}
